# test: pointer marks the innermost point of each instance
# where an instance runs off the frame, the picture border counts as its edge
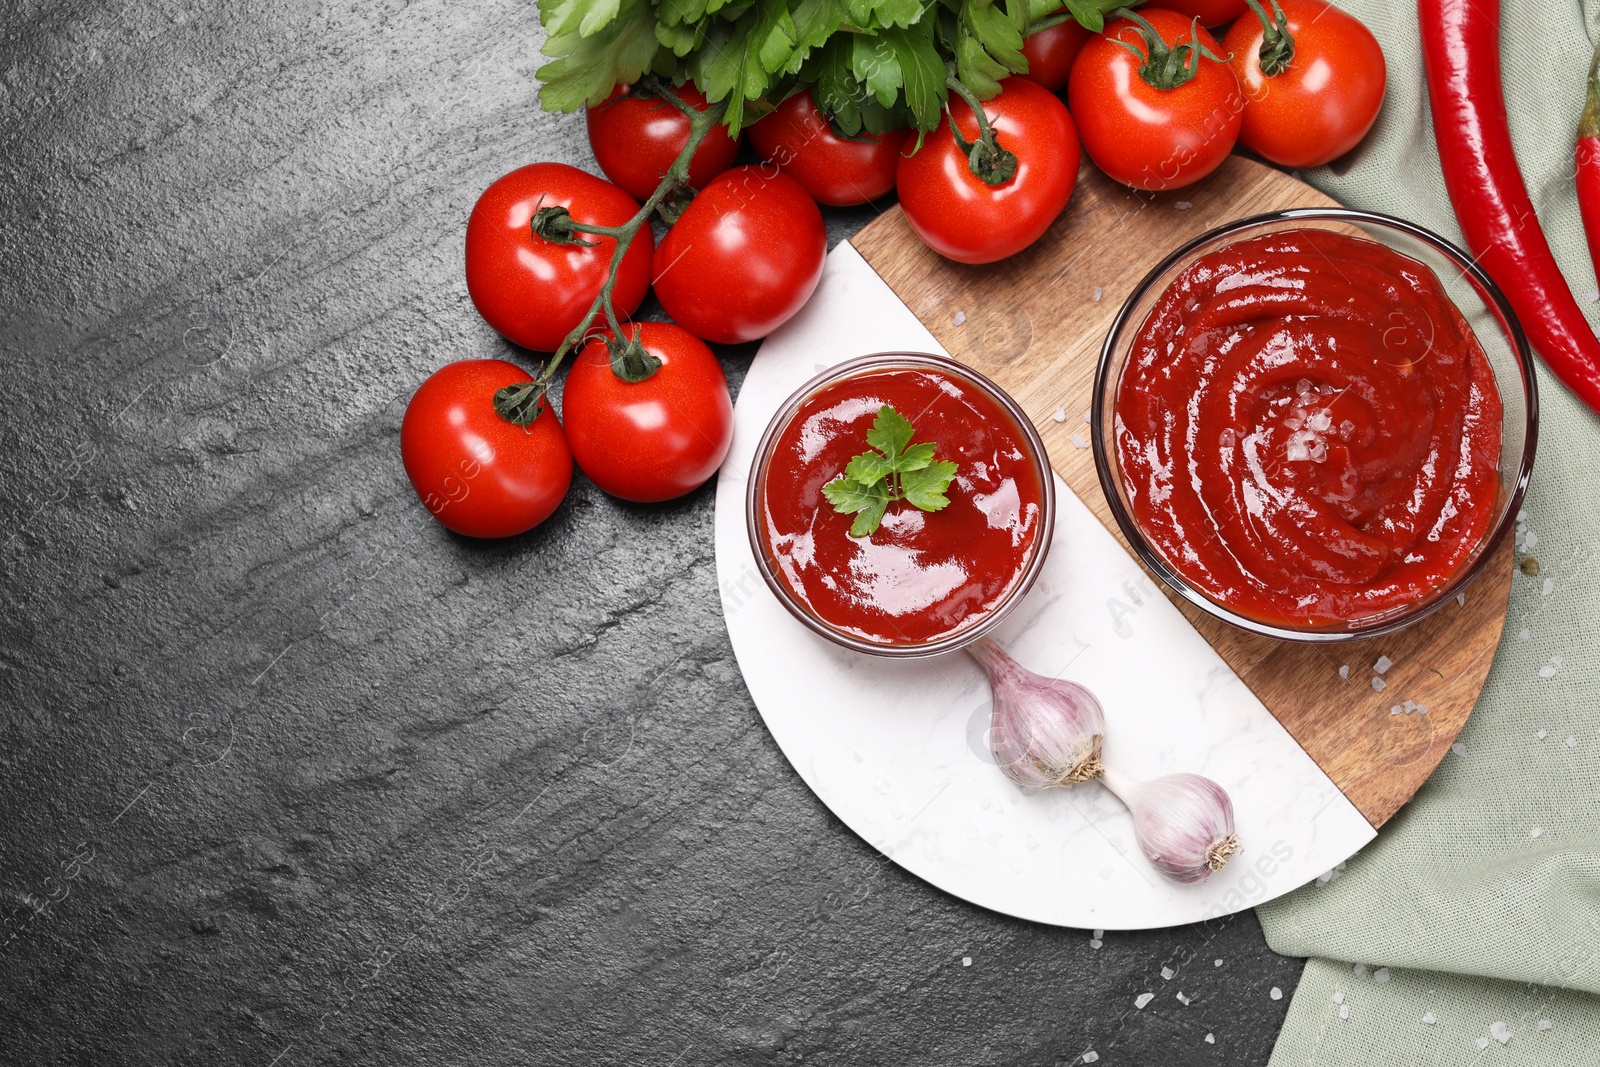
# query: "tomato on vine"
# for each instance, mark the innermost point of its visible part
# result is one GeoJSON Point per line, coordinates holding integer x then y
{"type": "Point", "coordinates": [744, 256]}
{"type": "Point", "coordinates": [477, 473]}
{"type": "Point", "coordinates": [842, 171]}
{"type": "Point", "coordinates": [1313, 80]}
{"type": "Point", "coordinates": [1209, 12]}
{"type": "Point", "coordinates": [655, 439]}
{"type": "Point", "coordinates": [537, 289]}
{"type": "Point", "coordinates": [635, 135]}
{"type": "Point", "coordinates": [991, 184]}
{"type": "Point", "coordinates": [1052, 51]}
{"type": "Point", "coordinates": [1157, 107]}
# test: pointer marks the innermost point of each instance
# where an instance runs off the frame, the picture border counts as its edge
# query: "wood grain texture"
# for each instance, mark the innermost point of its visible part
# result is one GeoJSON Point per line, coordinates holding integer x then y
{"type": "Point", "coordinates": [1035, 324]}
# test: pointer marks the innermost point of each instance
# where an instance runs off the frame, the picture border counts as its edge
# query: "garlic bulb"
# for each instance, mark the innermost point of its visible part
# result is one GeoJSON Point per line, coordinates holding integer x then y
{"type": "Point", "coordinates": [1042, 731]}
{"type": "Point", "coordinates": [1184, 822]}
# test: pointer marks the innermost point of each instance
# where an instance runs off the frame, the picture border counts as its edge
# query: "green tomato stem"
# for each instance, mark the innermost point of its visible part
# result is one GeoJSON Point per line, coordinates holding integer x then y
{"type": "Point", "coordinates": [986, 158]}
{"type": "Point", "coordinates": [1277, 44]}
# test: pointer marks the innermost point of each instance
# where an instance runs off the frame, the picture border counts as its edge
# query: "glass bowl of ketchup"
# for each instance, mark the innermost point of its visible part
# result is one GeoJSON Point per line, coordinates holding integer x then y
{"type": "Point", "coordinates": [924, 582]}
{"type": "Point", "coordinates": [1316, 424]}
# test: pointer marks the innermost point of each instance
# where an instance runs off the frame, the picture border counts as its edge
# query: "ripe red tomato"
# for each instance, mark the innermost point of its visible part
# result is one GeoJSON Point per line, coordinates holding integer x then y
{"type": "Point", "coordinates": [1051, 52]}
{"type": "Point", "coordinates": [532, 291]}
{"type": "Point", "coordinates": [656, 439]}
{"type": "Point", "coordinates": [1328, 97]}
{"type": "Point", "coordinates": [1209, 12]}
{"type": "Point", "coordinates": [635, 137]}
{"type": "Point", "coordinates": [962, 217]}
{"type": "Point", "coordinates": [1147, 137]}
{"type": "Point", "coordinates": [477, 473]}
{"type": "Point", "coordinates": [743, 257]}
{"type": "Point", "coordinates": [797, 139]}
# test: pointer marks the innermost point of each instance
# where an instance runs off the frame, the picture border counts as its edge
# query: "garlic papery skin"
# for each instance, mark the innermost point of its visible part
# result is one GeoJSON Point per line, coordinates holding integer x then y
{"type": "Point", "coordinates": [1184, 822]}
{"type": "Point", "coordinates": [1042, 731]}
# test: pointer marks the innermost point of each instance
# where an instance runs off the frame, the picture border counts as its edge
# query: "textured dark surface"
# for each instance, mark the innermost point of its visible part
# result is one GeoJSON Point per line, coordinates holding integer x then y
{"type": "Point", "coordinates": [291, 775]}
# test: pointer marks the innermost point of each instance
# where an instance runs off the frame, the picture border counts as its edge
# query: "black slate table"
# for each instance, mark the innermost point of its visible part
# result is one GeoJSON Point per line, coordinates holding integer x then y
{"type": "Point", "coordinates": [290, 774]}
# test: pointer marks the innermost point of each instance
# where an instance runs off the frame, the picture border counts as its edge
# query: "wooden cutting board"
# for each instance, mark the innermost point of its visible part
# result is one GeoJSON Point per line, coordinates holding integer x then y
{"type": "Point", "coordinates": [1035, 323]}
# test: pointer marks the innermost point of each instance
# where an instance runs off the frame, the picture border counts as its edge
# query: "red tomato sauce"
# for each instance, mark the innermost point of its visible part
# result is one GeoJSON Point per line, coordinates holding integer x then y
{"type": "Point", "coordinates": [1308, 431]}
{"type": "Point", "coordinates": [922, 575]}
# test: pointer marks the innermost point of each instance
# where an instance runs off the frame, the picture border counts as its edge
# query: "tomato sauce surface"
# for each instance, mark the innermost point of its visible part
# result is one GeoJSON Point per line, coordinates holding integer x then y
{"type": "Point", "coordinates": [922, 575]}
{"type": "Point", "coordinates": [1308, 431]}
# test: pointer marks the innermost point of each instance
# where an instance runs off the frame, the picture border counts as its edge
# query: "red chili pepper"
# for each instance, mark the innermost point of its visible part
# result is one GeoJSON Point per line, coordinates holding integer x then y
{"type": "Point", "coordinates": [1587, 156]}
{"type": "Point", "coordinates": [1461, 55]}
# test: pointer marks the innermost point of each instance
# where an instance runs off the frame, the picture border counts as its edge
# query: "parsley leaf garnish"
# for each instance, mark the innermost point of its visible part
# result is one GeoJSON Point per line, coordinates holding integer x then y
{"type": "Point", "coordinates": [898, 470]}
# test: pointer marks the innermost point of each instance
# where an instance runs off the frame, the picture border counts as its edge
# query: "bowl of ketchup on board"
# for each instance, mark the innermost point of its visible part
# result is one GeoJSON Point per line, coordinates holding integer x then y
{"type": "Point", "coordinates": [923, 582]}
{"type": "Point", "coordinates": [1316, 424]}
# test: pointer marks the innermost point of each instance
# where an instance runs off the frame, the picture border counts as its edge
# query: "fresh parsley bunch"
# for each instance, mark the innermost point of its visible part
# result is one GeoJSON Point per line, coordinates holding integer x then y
{"type": "Point", "coordinates": [873, 65]}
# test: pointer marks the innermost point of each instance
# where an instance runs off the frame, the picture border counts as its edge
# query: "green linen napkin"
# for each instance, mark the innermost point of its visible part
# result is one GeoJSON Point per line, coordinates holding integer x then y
{"type": "Point", "coordinates": [1471, 926]}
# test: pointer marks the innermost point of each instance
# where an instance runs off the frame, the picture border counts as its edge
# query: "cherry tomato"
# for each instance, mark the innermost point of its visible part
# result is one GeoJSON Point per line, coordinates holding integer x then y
{"type": "Point", "coordinates": [477, 473]}
{"type": "Point", "coordinates": [656, 439]}
{"type": "Point", "coordinates": [743, 257]}
{"type": "Point", "coordinates": [1209, 12]}
{"type": "Point", "coordinates": [962, 217]}
{"type": "Point", "coordinates": [1147, 137]}
{"type": "Point", "coordinates": [797, 139]}
{"type": "Point", "coordinates": [1325, 101]}
{"type": "Point", "coordinates": [1051, 53]}
{"type": "Point", "coordinates": [635, 137]}
{"type": "Point", "coordinates": [532, 291]}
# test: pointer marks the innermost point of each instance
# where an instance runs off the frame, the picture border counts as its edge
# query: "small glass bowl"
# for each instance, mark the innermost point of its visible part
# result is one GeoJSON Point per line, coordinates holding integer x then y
{"type": "Point", "coordinates": [1026, 434]}
{"type": "Point", "coordinates": [1480, 302]}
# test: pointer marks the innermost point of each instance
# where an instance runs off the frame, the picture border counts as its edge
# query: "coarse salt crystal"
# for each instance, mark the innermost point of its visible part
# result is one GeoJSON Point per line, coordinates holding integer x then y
{"type": "Point", "coordinates": [1211, 1039]}
{"type": "Point", "coordinates": [1183, 205]}
{"type": "Point", "coordinates": [1572, 742]}
{"type": "Point", "coordinates": [1344, 672]}
{"type": "Point", "coordinates": [966, 961]}
{"type": "Point", "coordinates": [1091, 1056]}
{"type": "Point", "coordinates": [1459, 749]}
{"type": "Point", "coordinates": [1461, 600]}
{"type": "Point", "coordinates": [1167, 973]}
{"type": "Point", "coordinates": [1079, 441]}
{"type": "Point", "coordinates": [1338, 996]}
{"type": "Point", "coordinates": [1395, 710]}
{"type": "Point", "coordinates": [1060, 415]}
{"type": "Point", "coordinates": [1549, 587]}
{"type": "Point", "coordinates": [1500, 1032]}
{"type": "Point", "coordinates": [1360, 970]}
{"type": "Point", "coordinates": [1547, 672]}
{"type": "Point", "coordinates": [1344, 1011]}
{"type": "Point", "coordinates": [1524, 635]}
{"type": "Point", "coordinates": [1095, 942]}
{"type": "Point", "coordinates": [1429, 1019]}
{"type": "Point", "coordinates": [1542, 734]}
{"type": "Point", "coordinates": [960, 318]}
{"type": "Point", "coordinates": [1381, 974]}
{"type": "Point", "coordinates": [1142, 999]}
{"type": "Point", "coordinates": [1379, 685]}
{"type": "Point", "coordinates": [1184, 1000]}
{"type": "Point", "coordinates": [1099, 933]}
{"type": "Point", "coordinates": [1383, 664]}
{"type": "Point", "coordinates": [1088, 415]}
{"type": "Point", "coordinates": [1532, 540]}
{"type": "Point", "coordinates": [1536, 832]}
{"type": "Point", "coordinates": [1276, 993]}
{"type": "Point", "coordinates": [1483, 1042]}
{"type": "Point", "coordinates": [1216, 963]}
{"type": "Point", "coordinates": [1098, 293]}
{"type": "Point", "coordinates": [1545, 1024]}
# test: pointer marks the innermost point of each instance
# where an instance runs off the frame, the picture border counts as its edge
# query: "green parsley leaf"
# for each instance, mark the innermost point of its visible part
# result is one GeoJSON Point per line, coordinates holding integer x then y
{"type": "Point", "coordinates": [890, 433]}
{"type": "Point", "coordinates": [899, 470]}
{"type": "Point", "coordinates": [924, 488]}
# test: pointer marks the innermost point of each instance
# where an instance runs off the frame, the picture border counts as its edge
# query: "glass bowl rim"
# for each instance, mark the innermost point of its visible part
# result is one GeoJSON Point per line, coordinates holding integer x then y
{"type": "Point", "coordinates": [1492, 540]}
{"type": "Point", "coordinates": [756, 481]}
